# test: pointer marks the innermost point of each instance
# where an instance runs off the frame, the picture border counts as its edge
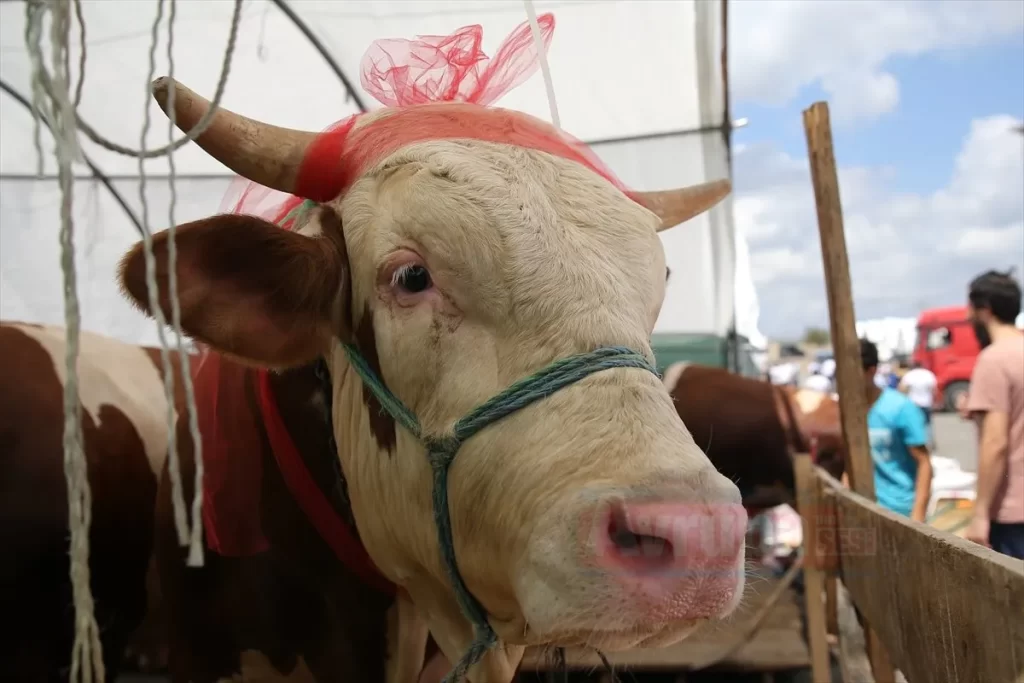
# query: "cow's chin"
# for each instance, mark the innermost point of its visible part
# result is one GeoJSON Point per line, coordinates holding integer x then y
{"type": "Point", "coordinates": [607, 622]}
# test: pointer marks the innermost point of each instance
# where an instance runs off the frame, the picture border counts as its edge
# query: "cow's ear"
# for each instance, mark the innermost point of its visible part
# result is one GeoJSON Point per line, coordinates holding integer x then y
{"type": "Point", "coordinates": [248, 288]}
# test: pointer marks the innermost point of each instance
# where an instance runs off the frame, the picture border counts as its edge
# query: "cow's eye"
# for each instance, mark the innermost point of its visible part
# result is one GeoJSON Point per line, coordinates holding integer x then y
{"type": "Point", "coordinates": [413, 278]}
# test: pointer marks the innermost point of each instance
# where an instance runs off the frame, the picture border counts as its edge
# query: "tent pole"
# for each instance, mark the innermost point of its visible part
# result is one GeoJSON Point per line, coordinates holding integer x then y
{"type": "Point", "coordinates": [732, 338]}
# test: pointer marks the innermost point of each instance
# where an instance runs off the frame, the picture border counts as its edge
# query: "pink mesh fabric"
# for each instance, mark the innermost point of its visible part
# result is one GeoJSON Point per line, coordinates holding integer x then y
{"type": "Point", "coordinates": [400, 72]}
{"type": "Point", "coordinates": [245, 196]}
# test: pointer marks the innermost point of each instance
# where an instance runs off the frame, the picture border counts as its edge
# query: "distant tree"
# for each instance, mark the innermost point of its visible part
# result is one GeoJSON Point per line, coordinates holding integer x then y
{"type": "Point", "coordinates": [816, 336]}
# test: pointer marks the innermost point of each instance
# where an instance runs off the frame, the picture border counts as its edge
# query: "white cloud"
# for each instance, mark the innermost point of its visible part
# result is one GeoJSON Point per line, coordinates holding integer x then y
{"type": "Point", "coordinates": [779, 47]}
{"type": "Point", "coordinates": [907, 251]}
{"type": "Point", "coordinates": [861, 95]}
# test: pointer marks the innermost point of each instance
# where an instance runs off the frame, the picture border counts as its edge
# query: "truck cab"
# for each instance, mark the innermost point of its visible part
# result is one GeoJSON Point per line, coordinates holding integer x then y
{"type": "Point", "coordinates": [946, 345]}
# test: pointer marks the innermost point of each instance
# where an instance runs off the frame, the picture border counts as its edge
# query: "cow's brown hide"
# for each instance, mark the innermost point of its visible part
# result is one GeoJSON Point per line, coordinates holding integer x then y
{"type": "Point", "coordinates": [35, 591]}
{"type": "Point", "coordinates": [295, 607]}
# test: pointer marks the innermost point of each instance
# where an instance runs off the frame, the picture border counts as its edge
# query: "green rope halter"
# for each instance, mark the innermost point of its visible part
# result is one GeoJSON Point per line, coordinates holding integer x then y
{"type": "Point", "coordinates": [441, 452]}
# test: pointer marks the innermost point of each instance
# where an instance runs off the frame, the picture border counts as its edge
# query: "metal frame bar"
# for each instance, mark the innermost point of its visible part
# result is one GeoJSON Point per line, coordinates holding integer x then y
{"type": "Point", "coordinates": [97, 174]}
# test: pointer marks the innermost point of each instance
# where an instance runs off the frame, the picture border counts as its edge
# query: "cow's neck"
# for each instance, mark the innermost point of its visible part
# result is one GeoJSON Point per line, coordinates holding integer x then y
{"type": "Point", "coordinates": [368, 441]}
{"type": "Point", "coordinates": [303, 398]}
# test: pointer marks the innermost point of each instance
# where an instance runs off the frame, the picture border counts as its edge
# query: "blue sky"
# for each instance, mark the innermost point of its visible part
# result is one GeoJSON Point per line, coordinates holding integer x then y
{"type": "Point", "coordinates": [939, 95]}
{"type": "Point", "coordinates": [933, 189]}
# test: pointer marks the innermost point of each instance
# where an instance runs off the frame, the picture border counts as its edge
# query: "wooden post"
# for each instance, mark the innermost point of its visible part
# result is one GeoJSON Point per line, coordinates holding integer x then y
{"type": "Point", "coordinates": [814, 574]}
{"type": "Point", "coordinates": [845, 345]}
{"type": "Point", "coordinates": [831, 606]}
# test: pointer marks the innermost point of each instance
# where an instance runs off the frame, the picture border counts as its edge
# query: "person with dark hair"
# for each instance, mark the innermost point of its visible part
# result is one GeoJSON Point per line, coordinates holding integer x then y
{"type": "Point", "coordinates": [899, 444]}
{"type": "Point", "coordinates": [995, 401]}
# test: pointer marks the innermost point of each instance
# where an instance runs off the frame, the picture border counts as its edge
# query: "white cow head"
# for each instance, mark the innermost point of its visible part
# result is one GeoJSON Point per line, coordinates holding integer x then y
{"type": "Point", "coordinates": [458, 266]}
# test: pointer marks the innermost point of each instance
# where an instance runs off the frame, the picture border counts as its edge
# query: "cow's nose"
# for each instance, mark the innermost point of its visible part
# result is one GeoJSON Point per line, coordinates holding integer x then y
{"type": "Point", "coordinates": [682, 559]}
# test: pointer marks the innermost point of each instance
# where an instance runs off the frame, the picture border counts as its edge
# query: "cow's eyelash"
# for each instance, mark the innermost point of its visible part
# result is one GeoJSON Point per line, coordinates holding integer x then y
{"type": "Point", "coordinates": [396, 277]}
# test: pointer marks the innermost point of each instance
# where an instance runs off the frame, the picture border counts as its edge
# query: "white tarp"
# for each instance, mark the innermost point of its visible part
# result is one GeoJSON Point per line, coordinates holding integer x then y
{"type": "Point", "coordinates": [621, 69]}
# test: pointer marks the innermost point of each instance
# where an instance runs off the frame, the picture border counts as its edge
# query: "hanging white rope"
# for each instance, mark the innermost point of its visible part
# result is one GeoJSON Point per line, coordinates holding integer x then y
{"type": "Point", "coordinates": [181, 524]}
{"type": "Point", "coordinates": [87, 651]}
{"type": "Point", "coordinates": [204, 122]}
{"type": "Point", "coordinates": [195, 555]}
{"type": "Point", "coordinates": [538, 41]}
{"type": "Point", "coordinates": [52, 101]}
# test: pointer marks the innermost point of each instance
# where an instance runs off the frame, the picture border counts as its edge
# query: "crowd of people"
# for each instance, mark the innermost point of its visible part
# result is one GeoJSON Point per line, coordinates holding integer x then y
{"type": "Point", "coordinates": [899, 419]}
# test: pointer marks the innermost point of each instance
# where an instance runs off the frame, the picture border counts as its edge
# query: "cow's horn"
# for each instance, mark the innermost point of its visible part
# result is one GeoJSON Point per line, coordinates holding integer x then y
{"type": "Point", "coordinates": [678, 206]}
{"type": "Point", "coordinates": [263, 153]}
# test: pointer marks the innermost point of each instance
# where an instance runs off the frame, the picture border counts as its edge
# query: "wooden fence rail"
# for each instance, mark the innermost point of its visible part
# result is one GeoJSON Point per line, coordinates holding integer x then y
{"type": "Point", "coordinates": [946, 609]}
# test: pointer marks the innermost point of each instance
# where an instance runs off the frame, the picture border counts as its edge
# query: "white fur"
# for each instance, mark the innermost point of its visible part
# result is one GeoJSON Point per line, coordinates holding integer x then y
{"type": "Point", "coordinates": [673, 374]}
{"type": "Point", "coordinates": [407, 642]}
{"type": "Point", "coordinates": [533, 258]}
{"type": "Point", "coordinates": [116, 374]}
{"type": "Point", "coordinates": [539, 258]}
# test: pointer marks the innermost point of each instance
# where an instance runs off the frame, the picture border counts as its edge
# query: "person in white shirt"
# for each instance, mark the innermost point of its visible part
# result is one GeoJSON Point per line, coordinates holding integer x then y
{"type": "Point", "coordinates": [919, 385]}
{"type": "Point", "coordinates": [828, 367]}
{"type": "Point", "coordinates": [818, 382]}
{"type": "Point", "coordinates": [784, 374]}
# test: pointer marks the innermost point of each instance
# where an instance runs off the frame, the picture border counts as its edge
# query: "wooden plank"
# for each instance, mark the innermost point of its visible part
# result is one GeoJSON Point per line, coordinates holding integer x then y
{"type": "Point", "coordinates": [814, 575]}
{"type": "Point", "coordinates": [831, 606]}
{"type": "Point", "coordinates": [949, 610]}
{"type": "Point", "coordinates": [845, 345]}
{"type": "Point", "coordinates": [772, 649]}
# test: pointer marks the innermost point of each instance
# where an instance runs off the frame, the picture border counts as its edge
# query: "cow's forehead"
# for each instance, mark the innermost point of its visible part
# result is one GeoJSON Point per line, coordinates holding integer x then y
{"type": "Point", "coordinates": [439, 187]}
{"type": "Point", "coordinates": [506, 216]}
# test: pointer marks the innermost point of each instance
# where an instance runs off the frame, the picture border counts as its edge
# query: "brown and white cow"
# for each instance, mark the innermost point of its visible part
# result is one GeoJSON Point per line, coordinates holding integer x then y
{"type": "Point", "coordinates": [750, 428]}
{"type": "Point", "coordinates": [124, 424]}
{"type": "Point", "coordinates": [455, 266]}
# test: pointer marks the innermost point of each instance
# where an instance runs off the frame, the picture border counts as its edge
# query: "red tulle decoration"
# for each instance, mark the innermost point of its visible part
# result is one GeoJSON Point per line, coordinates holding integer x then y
{"type": "Point", "coordinates": [412, 77]}
{"type": "Point", "coordinates": [400, 72]}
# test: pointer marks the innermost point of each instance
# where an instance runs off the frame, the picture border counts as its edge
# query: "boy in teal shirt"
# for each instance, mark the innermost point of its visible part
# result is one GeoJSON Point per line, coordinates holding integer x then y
{"type": "Point", "coordinates": [899, 438]}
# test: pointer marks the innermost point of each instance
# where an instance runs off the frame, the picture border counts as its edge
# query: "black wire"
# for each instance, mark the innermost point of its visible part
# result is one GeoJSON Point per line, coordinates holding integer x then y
{"type": "Point", "coordinates": [311, 37]}
{"type": "Point", "coordinates": [608, 666]}
{"type": "Point", "coordinates": [96, 172]}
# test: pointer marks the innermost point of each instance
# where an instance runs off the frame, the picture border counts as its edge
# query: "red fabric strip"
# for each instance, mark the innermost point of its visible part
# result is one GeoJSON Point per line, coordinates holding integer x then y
{"type": "Point", "coordinates": [309, 496]}
{"type": "Point", "coordinates": [233, 469]}
{"type": "Point", "coordinates": [338, 156]}
{"type": "Point", "coordinates": [322, 172]}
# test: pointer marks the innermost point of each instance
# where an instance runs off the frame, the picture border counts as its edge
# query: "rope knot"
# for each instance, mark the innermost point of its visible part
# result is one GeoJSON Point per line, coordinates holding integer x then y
{"type": "Point", "coordinates": [441, 450]}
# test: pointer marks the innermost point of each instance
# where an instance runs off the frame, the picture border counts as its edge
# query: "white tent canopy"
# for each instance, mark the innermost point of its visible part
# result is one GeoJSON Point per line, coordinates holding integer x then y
{"type": "Point", "coordinates": [640, 80]}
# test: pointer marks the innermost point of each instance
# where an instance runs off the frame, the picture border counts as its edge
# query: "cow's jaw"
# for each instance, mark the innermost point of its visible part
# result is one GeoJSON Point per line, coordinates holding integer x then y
{"type": "Point", "coordinates": [371, 466]}
{"type": "Point", "coordinates": [454, 634]}
{"type": "Point", "coordinates": [576, 585]}
{"type": "Point", "coordinates": [544, 597]}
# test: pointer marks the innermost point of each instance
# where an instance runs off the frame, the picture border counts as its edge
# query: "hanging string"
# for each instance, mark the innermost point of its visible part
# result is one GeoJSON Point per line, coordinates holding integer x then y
{"type": "Point", "coordinates": [87, 650]}
{"type": "Point", "coordinates": [195, 551]}
{"type": "Point", "coordinates": [538, 40]}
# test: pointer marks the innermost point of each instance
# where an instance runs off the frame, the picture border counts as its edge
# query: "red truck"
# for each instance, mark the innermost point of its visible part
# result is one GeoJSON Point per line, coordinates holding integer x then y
{"type": "Point", "coordinates": [946, 345]}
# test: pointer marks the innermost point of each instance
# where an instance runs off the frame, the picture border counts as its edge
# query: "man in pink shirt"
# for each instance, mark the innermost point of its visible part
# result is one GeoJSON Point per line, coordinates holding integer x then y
{"type": "Point", "coordinates": [996, 404]}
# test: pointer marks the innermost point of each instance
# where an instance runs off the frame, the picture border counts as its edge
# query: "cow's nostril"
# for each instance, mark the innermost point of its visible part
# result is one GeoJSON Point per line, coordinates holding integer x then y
{"type": "Point", "coordinates": [618, 529]}
{"type": "Point", "coordinates": [651, 551]}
